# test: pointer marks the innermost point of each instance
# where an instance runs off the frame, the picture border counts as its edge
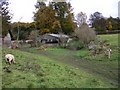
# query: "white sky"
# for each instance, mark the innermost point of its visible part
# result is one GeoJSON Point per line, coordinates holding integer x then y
{"type": "Point", "coordinates": [25, 8]}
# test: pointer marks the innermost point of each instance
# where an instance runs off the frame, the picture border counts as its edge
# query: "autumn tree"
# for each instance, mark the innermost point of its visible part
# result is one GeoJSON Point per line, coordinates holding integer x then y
{"type": "Point", "coordinates": [4, 13]}
{"type": "Point", "coordinates": [55, 18]}
{"type": "Point", "coordinates": [115, 23]}
{"type": "Point", "coordinates": [118, 23]}
{"type": "Point", "coordinates": [64, 14]}
{"type": "Point", "coordinates": [44, 18]}
{"type": "Point", "coordinates": [109, 25]}
{"type": "Point", "coordinates": [56, 26]}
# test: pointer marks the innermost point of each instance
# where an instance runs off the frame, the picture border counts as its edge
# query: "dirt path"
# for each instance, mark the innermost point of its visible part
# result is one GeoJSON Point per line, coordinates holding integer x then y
{"type": "Point", "coordinates": [105, 70]}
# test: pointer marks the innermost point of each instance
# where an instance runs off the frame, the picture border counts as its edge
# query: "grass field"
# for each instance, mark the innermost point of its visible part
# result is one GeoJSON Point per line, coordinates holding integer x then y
{"type": "Point", "coordinates": [53, 68]}
{"type": "Point", "coordinates": [111, 38]}
{"type": "Point", "coordinates": [37, 71]}
{"type": "Point", "coordinates": [98, 65]}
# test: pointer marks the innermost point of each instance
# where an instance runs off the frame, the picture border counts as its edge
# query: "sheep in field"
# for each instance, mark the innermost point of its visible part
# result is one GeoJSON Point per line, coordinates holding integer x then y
{"type": "Point", "coordinates": [9, 58]}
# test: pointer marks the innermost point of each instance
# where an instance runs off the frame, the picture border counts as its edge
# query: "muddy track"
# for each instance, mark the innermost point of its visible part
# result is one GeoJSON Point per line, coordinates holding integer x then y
{"type": "Point", "coordinates": [105, 70]}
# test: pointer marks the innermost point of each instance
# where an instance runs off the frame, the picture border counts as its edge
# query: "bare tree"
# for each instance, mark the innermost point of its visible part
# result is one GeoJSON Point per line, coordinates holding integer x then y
{"type": "Point", "coordinates": [33, 36]}
{"type": "Point", "coordinates": [85, 33]}
{"type": "Point", "coordinates": [81, 18]}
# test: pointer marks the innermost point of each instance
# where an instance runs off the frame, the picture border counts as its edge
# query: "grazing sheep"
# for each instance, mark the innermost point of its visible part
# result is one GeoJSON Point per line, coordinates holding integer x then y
{"type": "Point", "coordinates": [9, 58]}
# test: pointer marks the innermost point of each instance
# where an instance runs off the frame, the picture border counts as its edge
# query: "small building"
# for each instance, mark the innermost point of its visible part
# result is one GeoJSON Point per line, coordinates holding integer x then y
{"type": "Point", "coordinates": [53, 38]}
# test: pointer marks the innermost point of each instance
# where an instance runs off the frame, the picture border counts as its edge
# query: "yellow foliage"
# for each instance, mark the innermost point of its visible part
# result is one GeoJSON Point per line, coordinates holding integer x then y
{"type": "Point", "coordinates": [109, 25]}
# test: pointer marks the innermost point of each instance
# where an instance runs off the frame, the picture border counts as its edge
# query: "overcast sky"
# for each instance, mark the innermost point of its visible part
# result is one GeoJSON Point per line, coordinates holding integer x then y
{"type": "Point", "coordinates": [25, 8]}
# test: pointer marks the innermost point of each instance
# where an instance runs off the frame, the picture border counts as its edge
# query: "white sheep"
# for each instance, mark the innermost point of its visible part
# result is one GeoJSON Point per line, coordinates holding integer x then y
{"type": "Point", "coordinates": [9, 58]}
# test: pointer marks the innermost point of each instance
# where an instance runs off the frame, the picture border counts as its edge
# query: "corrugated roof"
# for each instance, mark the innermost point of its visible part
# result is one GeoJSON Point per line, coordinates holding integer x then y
{"type": "Point", "coordinates": [58, 35]}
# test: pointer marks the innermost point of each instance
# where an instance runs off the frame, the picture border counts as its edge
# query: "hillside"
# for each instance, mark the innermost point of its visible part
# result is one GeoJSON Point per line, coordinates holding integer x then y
{"type": "Point", "coordinates": [37, 71]}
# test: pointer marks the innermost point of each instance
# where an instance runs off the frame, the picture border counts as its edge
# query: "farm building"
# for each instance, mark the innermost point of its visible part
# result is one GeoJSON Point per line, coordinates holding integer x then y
{"type": "Point", "coordinates": [53, 38]}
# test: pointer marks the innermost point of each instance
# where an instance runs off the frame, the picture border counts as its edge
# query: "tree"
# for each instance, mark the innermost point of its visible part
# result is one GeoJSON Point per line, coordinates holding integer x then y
{"type": "Point", "coordinates": [56, 26]}
{"type": "Point", "coordinates": [118, 23]}
{"type": "Point", "coordinates": [4, 13]}
{"type": "Point", "coordinates": [63, 13]}
{"type": "Point", "coordinates": [97, 21]}
{"type": "Point", "coordinates": [44, 18]}
{"type": "Point", "coordinates": [57, 17]}
{"type": "Point", "coordinates": [81, 18]}
{"type": "Point", "coordinates": [33, 36]}
{"type": "Point", "coordinates": [109, 25]}
{"type": "Point", "coordinates": [24, 29]}
{"type": "Point", "coordinates": [115, 23]}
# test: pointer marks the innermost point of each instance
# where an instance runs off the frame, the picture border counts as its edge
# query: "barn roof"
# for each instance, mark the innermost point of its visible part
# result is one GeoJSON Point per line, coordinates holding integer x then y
{"type": "Point", "coordinates": [58, 35]}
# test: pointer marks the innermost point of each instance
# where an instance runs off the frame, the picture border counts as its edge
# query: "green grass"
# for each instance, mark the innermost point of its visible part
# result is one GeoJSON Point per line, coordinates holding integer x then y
{"type": "Point", "coordinates": [112, 40]}
{"type": "Point", "coordinates": [57, 50]}
{"type": "Point", "coordinates": [37, 71]}
{"type": "Point", "coordinates": [82, 53]}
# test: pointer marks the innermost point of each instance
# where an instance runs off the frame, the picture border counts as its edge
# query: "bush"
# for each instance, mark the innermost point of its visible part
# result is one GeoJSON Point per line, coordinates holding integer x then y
{"type": "Point", "coordinates": [33, 36]}
{"type": "Point", "coordinates": [75, 44]}
{"type": "Point", "coordinates": [63, 41]}
{"type": "Point", "coordinates": [85, 34]}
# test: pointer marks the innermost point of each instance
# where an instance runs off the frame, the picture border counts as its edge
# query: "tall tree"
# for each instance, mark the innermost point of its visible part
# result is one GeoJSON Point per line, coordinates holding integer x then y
{"type": "Point", "coordinates": [4, 13]}
{"type": "Point", "coordinates": [98, 21]}
{"type": "Point", "coordinates": [63, 13]}
{"type": "Point", "coordinates": [55, 18]}
{"type": "Point", "coordinates": [44, 18]}
{"type": "Point", "coordinates": [108, 25]}
{"type": "Point", "coordinates": [118, 23]}
{"type": "Point", "coordinates": [115, 22]}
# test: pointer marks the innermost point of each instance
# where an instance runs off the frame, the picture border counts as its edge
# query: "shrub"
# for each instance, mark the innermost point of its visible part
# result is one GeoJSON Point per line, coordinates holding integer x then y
{"type": "Point", "coordinates": [85, 34]}
{"type": "Point", "coordinates": [75, 44]}
{"type": "Point", "coordinates": [63, 41]}
{"type": "Point", "coordinates": [33, 36]}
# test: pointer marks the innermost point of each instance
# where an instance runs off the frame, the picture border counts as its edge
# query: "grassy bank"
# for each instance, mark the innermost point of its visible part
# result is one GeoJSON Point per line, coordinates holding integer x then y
{"type": "Point", "coordinates": [110, 39]}
{"type": "Point", "coordinates": [37, 71]}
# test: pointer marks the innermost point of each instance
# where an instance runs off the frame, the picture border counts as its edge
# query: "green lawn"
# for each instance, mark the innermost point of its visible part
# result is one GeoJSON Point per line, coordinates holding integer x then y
{"type": "Point", "coordinates": [55, 51]}
{"type": "Point", "coordinates": [37, 71]}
